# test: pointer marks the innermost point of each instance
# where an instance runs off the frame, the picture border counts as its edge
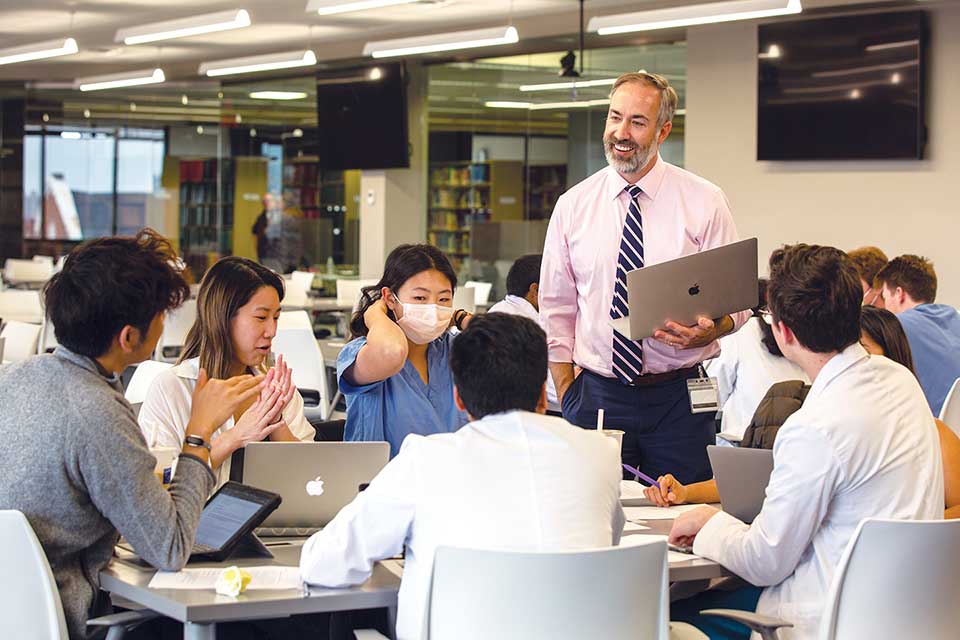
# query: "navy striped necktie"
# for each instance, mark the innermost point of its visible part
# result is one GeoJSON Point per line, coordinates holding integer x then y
{"type": "Point", "coordinates": [627, 354]}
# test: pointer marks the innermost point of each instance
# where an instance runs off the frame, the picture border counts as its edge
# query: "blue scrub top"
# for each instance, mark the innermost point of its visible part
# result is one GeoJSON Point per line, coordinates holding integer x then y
{"type": "Point", "coordinates": [402, 404]}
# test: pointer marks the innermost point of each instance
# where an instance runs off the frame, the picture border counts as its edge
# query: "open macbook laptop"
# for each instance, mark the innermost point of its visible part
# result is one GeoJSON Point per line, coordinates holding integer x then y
{"type": "Point", "coordinates": [315, 479]}
{"type": "Point", "coordinates": [742, 476]}
{"type": "Point", "coordinates": [710, 283]}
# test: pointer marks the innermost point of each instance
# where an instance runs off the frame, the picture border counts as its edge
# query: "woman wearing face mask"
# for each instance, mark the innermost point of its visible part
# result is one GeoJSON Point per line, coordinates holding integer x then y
{"type": "Point", "coordinates": [237, 311]}
{"type": "Point", "coordinates": [394, 372]}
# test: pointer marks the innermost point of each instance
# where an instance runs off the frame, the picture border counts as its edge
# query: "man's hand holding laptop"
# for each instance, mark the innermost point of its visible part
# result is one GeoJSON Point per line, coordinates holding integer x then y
{"type": "Point", "coordinates": [699, 335]}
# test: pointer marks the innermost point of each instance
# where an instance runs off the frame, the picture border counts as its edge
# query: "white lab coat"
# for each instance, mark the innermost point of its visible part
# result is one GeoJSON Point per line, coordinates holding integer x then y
{"type": "Point", "coordinates": [864, 444]}
{"type": "Point", "coordinates": [745, 371]}
{"type": "Point", "coordinates": [165, 412]}
{"type": "Point", "coordinates": [517, 306]}
{"type": "Point", "coordinates": [511, 481]}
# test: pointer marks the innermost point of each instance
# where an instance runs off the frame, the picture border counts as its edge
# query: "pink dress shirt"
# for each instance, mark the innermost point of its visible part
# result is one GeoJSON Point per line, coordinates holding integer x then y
{"type": "Point", "coordinates": [682, 214]}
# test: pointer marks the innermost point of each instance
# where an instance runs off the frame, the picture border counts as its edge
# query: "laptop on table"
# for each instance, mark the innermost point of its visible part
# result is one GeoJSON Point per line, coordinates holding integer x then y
{"type": "Point", "coordinates": [742, 476]}
{"type": "Point", "coordinates": [315, 480]}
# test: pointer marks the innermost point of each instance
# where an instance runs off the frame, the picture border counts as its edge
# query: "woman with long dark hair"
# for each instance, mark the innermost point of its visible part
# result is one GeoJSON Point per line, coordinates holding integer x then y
{"type": "Point", "coordinates": [394, 372]}
{"type": "Point", "coordinates": [237, 311]}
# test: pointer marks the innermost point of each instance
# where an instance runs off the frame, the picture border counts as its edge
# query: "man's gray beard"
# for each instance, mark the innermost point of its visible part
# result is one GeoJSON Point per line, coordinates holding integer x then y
{"type": "Point", "coordinates": [634, 165]}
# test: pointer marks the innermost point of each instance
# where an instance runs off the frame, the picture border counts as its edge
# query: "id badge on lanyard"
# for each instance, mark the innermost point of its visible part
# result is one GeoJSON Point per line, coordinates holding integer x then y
{"type": "Point", "coordinates": [704, 393]}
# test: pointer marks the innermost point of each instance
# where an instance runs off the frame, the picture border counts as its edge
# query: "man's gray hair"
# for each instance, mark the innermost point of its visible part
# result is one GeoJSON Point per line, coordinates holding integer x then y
{"type": "Point", "coordinates": [668, 95]}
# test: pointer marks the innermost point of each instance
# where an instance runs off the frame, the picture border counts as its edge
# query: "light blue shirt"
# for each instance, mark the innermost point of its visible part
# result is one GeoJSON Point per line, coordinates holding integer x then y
{"type": "Point", "coordinates": [933, 331]}
{"type": "Point", "coordinates": [402, 404]}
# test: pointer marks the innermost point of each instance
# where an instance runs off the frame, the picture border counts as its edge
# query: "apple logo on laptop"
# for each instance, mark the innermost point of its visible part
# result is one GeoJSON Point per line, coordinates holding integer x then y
{"type": "Point", "coordinates": [695, 289]}
{"type": "Point", "coordinates": [315, 487]}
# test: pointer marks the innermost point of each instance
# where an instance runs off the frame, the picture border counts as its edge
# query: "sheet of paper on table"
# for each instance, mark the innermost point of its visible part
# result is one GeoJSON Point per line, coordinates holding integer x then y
{"type": "Point", "coordinates": [672, 556]}
{"type": "Point", "coordinates": [266, 577]}
{"type": "Point", "coordinates": [632, 491]}
{"type": "Point", "coordinates": [633, 527]}
{"type": "Point", "coordinates": [656, 513]}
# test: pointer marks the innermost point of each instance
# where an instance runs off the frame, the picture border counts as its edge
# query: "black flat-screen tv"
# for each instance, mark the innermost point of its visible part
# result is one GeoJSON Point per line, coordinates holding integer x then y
{"type": "Point", "coordinates": [362, 118]}
{"type": "Point", "coordinates": [842, 88]}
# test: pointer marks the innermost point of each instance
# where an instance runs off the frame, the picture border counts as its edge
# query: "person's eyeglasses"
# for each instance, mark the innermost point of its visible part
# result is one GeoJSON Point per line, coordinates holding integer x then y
{"type": "Point", "coordinates": [764, 314]}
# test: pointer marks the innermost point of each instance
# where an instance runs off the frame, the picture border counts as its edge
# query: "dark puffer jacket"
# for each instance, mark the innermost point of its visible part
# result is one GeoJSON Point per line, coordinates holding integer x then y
{"type": "Point", "coordinates": [781, 401]}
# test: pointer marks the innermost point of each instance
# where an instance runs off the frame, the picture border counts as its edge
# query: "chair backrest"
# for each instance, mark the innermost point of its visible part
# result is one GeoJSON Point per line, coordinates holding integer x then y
{"type": "Point", "coordinates": [176, 326]}
{"type": "Point", "coordinates": [17, 270]}
{"type": "Point", "coordinates": [294, 320]}
{"type": "Point", "coordinates": [481, 290]}
{"type": "Point", "coordinates": [465, 298]}
{"type": "Point", "coordinates": [950, 411]}
{"type": "Point", "coordinates": [48, 337]}
{"type": "Point", "coordinates": [21, 305]}
{"type": "Point", "coordinates": [348, 291]}
{"type": "Point", "coordinates": [19, 340]}
{"type": "Point", "coordinates": [47, 260]}
{"type": "Point", "coordinates": [615, 592]}
{"type": "Point", "coordinates": [30, 606]}
{"type": "Point", "coordinates": [896, 579]}
{"type": "Point", "coordinates": [141, 380]}
{"type": "Point", "coordinates": [297, 287]}
{"type": "Point", "coordinates": [302, 353]}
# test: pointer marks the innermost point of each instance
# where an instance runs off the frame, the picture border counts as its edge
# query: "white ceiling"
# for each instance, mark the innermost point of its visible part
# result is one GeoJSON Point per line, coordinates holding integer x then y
{"type": "Point", "coordinates": [278, 25]}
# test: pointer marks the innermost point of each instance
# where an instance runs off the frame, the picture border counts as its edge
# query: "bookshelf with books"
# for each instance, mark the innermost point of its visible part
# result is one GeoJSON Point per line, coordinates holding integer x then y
{"type": "Point", "coordinates": [206, 211]}
{"type": "Point", "coordinates": [462, 194]}
{"type": "Point", "coordinates": [321, 196]}
{"type": "Point", "coordinates": [545, 184]}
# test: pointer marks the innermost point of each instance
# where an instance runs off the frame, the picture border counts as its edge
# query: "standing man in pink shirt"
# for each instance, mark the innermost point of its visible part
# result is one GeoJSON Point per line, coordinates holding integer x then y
{"type": "Point", "coordinates": [637, 211]}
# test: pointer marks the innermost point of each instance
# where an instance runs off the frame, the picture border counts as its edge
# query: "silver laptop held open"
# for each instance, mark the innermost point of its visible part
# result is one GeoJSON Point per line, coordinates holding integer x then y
{"type": "Point", "coordinates": [315, 479]}
{"type": "Point", "coordinates": [710, 283]}
{"type": "Point", "coordinates": [742, 476]}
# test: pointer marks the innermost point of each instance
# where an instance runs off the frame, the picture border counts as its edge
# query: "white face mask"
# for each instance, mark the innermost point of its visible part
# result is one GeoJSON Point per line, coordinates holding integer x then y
{"type": "Point", "coordinates": [424, 323]}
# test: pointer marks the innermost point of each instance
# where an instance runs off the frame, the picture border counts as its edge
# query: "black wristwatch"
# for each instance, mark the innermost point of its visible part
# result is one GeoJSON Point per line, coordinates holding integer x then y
{"type": "Point", "coordinates": [458, 317]}
{"type": "Point", "coordinates": [197, 441]}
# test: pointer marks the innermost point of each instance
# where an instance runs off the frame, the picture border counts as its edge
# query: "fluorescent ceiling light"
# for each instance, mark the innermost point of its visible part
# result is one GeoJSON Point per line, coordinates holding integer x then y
{"type": "Point", "coordinates": [441, 42]}
{"type": "Point", "coordinates": [115, 80]}
{"type": "Point", "coordinates": [893, 45]}
{"type": "Point", "coordinates": [38, 51]}
{"type": "Point", "coordinates": [692, 15]}
{"type": "Point", "coordinates": [251, 64]}
{"type": "Point", "coordinates": [576, 84]}
{"type": "Point", "coordinates": [184, 27]}
{"type": "Point", "coordinates": [332, 7]}
{"type": "Point", "coordinates": [540, 106]}
{"type": "Point", "coordinates": [70, 135]}
{"type": "Point", "coordinates": [278, 95]}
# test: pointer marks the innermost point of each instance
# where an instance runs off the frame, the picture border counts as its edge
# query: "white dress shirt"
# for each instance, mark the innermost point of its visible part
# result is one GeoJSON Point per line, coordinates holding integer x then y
{"type": "Point", "coordinates": [165, 412]}
{"type": "Point", "coordinates": [864, 444]}
{"type": "Point", "coordinates": [745, 371]}
{"type": "Point", "coordinates": [517, 306]}
{"type": "Point", "coordinates": [682, 215]}
{"type": "Point", "coordinates": [512, 481]}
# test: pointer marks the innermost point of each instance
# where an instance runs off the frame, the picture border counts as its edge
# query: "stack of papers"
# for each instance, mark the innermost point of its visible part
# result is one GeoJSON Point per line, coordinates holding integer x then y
{"type": "Point", "coordinates": [265, 577]}
{"type": "Point", "coordinates": [640, 514]}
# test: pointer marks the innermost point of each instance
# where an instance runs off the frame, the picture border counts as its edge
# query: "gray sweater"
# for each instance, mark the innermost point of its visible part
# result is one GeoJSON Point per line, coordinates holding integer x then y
{"type": "Point", "coordinates": [73, 460]}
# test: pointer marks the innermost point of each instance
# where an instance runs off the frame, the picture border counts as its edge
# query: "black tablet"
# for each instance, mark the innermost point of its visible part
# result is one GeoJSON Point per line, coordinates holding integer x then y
{"type": "Point", "coordinates": [230, 516]}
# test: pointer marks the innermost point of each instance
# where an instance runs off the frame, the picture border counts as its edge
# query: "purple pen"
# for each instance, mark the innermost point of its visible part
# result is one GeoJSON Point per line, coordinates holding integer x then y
{"type": "Point", "coordinates": [642, 476]}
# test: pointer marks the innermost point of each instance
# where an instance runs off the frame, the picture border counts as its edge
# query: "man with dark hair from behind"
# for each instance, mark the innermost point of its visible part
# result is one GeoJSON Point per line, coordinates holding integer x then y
{"type": "Point", "coordinates": [509, 479]}
{"type": "Point", "coordinates": [908, 285]}
{"type": "Point", "coordinates": [863, 445]}
{"type": "Point", "coordinates": [523, 289]}
{"type": "Point", "coordinates": [74, 460]}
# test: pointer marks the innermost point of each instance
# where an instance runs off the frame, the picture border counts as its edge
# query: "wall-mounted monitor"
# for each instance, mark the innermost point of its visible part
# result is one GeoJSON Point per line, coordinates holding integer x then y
{"type": "Point", "coordinates": [842, 88]}
{"type": "Point", "coordinates": [362, 118]}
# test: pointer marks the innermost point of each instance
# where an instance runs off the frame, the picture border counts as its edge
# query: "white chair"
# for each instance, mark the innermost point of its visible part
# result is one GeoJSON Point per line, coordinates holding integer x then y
{"type": "Point", "coordinates": [30, 605]}
{"type": "Point", "coordinates": [48, 338]}
{"type": "Point", "coordinates": [294, 320]}
{"type": "Point", "coordinates": [47, 260]}
{"type": "Point", "coordinates": [18, 271]}
{"type": "Point", "coordinates": [348, 291]}
{"type": "Point", "coordinates": [20, 340]}
{"type": "Point", "coordinates": [143, 376]}
{"type": "Point", "coordinates": [950, 411]}
{"type": "Point", "coordinates": [21, 305]}
{"type": "Point", "coordinates": [298, 287]}
{"type": "Point", "coordinates": [896, 579]}
{"type": "Point", "coordinates": [481, 291]}
{"type": "Point", "coordinates": [614, 592]}
{"type": "Point", "coordinates": [302, 353]}
{"type": "Point", "coordinates": [465, 298]}
{"type": "Point", "coordinates": [176, 326]}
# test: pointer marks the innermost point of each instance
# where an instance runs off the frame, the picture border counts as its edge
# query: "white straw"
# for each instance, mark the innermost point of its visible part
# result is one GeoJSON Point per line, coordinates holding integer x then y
{"type": "Point", "coordinates": [599, 419]}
